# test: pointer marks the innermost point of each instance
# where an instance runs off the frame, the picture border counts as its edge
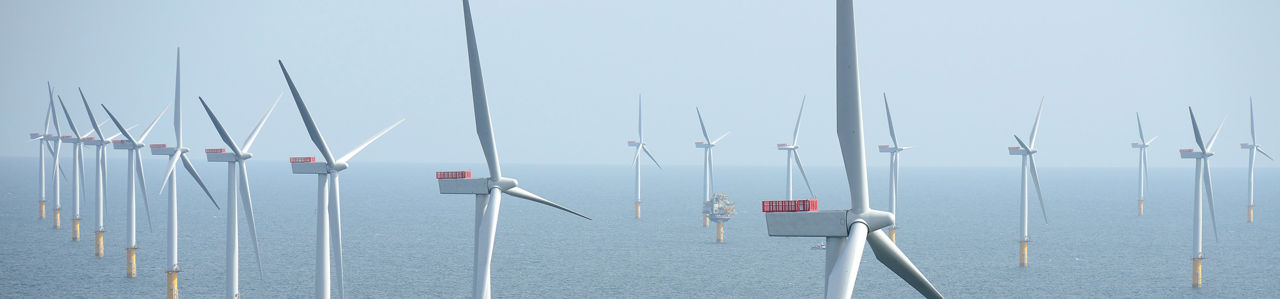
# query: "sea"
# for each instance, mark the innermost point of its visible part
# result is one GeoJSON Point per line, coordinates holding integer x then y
{"type": "Point", "coordinates": [402, 239]}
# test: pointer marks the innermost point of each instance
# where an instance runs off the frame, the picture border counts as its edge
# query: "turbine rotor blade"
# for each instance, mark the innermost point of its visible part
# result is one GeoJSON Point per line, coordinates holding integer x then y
{"type": "Point", "coordinates": [889, 116]}
{"type": "Point", "coordinates": [364, 145]}
{"type": "Point", "coordinates": [726, 134]}
{"type": "Point", "coordinates": [485, 233]}
{"type": "Point", "coordinates": [222, 132]}
{"type": "Point", "coordinates": [258, 129]}
{"type": "Point", "coordinates": [705, 137]}
{"type": "Point", "coordinates": [306, 118]}
{"type": "Point", "coordinates": [1214, 138]}
{"type": "Point", "coordinates": [1208, 188]}
{"type": "Point", "coordinates": [1196, 129]}
{"type": "Point", "coordinates": [1259, 149]}
{"type": "Point", "coordinates": [153, 123]}
{"type": "Point", "coordinates": [1153, 139]}
{"type": "Point", "coordinates": [143, 183]}
{"type": "Point", "coordinates": [70, 123]}
{"type": "Point", "coordinates": [1035, 178]}
{"type": "Point", "coordinates": [480, 103]}
{"type": "Point", "coordinates": [796, 155]}
{"type": "Point", "coordinates": [247, 201]}
{"type": "Point", "coordinates": [173, 165]}
{"type": "Point", "coordinates": [521, 193]}
{"type": "Point", "coordinates": [893, 258]}
{"type": "Point", "coordinates": [795, 134]}
{"type": "Point", "coordinates": [1253, 139]}
{"type": "Point", "coordinates": [1022, 144]}
{"type": "Point", "coordinates": [118, 126]}
{"type": "Point", "coordinates": [845, 271]}
{"type": "Point", "coordinates": [192, 170]}
{"type": "Point", "coordinates": [1035, 127]}
{"type": "Point", "coordinates": [646, 153]}
{"type": "Point", "coordinates": [1140, 135]}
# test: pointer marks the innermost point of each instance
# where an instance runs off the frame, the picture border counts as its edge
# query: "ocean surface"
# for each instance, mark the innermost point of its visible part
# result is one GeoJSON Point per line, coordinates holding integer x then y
{"type": "Point", "coordinates": [403, 239]}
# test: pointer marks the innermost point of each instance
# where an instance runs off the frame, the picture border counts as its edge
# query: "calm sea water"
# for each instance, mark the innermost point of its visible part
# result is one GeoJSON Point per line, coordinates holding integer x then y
{"type": "Point", "coordinates": [403, 239]}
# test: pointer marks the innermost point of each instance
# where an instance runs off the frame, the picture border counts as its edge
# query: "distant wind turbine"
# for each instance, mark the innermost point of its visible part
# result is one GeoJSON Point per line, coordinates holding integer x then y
{"type": "Point", "coordinates": [101, 174]}
{"type": "Point", "coordinates": [1027, 151]}
{"type": "Point", "coordinates": [894, 152]}
{"type": "Point", "coordinates": [1202, 168]}
{"type": "Point", "coordinates": [848, 232]}
{"type": "Point", "coordinates": [1142, 145]}
{"type": "Point", "coordinates": [794, 155]}
{"type": "Point", "coordinates": [640, 147]}
{"type": "Point", "coordinates": [1254, 150]}
{"type": "Point", "coordinates": [708, 168]}
{"type": "Point", "coordinates": [133, 146]}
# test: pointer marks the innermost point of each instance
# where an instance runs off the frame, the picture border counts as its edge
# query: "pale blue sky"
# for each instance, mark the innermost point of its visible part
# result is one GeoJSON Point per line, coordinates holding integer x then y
{"type": "Point", "coordinates": [562, 76]}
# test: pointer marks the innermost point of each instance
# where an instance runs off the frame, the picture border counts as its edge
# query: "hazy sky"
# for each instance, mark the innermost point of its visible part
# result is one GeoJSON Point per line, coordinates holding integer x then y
{"type": "Point", "coordinates": [563, 76]}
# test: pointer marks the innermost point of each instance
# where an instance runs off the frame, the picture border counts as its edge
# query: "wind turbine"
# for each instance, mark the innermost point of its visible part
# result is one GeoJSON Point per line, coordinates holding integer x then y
{"type": "Point", "coordinates": [1028, 166]}
{"type": "Point", "coordinates": [57, 164]}
{"type": "Point", "coordinates": [77, 172]}
{"type": "Point", "coordinates": [176, 154]}
{"type": "Point", "coordinates": [237, 157]}
{"type": "Point", "coordinates": [1254, 150]}
{"type": "Point", "coordinates": [44, 139]}
{"type": "Point", "coordinates": [640, 147]}
{"type": "Point", "coordinates": [848, 231]}
{"type": "Point", "coordinates": [1142, 145]}
{"type": "Point", "coordinates": [894, 152]}
{"type": "Point", "coordinates": [793, 155]}
{"type": "Point", "coordinates": [488, 191]}
{"type": "Point", "coordinates": [1197, 223]}
{"type": "Point", "coordinates": [708, 168]}
{"type": "Point", "coordinates": [133, 146]}
{"type": "Point", "coordinates": [329, 207]}
{"type": "Point", "coordinates": [100, 143]}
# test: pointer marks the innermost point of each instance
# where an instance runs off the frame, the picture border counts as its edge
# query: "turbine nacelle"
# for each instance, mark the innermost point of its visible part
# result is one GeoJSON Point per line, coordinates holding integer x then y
{"type": "Point", "coordinates": [885, 148]}
{"type": "Point", "coordinates": [36, 136]}
{"type": "Point", "coordinates": [827, 223]}
{"type": "Point", "coordinates": [633, 143]}
{"type": "Point", "coordinates": [700, 144]}
{"type": "Point", "coordinates": [1138, 145]}
{"type": "Point", "coordinates": [164, 150]}
{"type": "Point", "coordinates": [1188, 153]}
{"type": "Point", "coordinates": [1019, 151]}
{"type": "Point", "coordinates": [784, 146]}
{"type": "Point", "coordinates": [1246, 145]}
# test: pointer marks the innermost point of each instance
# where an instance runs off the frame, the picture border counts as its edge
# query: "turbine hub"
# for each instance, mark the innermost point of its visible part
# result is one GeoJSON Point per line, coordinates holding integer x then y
{"type": "Point", "coordinates": [506, 183]}
{"type": "Point", "coordinates": [339, 166]}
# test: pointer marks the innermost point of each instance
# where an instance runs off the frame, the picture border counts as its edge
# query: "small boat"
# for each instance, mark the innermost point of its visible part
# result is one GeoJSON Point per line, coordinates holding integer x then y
{"type": "Point", "coordinates": [820, 246]}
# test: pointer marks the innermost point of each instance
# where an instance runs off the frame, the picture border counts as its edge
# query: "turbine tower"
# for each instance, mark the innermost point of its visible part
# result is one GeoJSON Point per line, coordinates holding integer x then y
{"type": "Point", "coordinates": [1202, 168]}
{"type": "Point", "coordinates": [1142, 145]}
{"type": "Point", "coordinates": [176, 154]}
{"type": "Point", "coordinates": [57, 165]}
{"type": "Point", "coordinates": [329, 206]}
{"type": "Point", "coordinates": [101, 153]}
{"type": "Point", "coordinates": [849, 231]}
{"type": "Point", "coordinates": [708, 169]}
{"type": "Point", "coordinates": [44, 139]}
{"type": "Point", "coordinates": [488, 191]}
{"type": "Point", "coordinates": [1027, 151]}
{"type": "Point", "coordinates": [1254, 150]}
{"type": "Point", "coordinates": [793, 155]}
{"type": "Point", "coordinates": [237, 158]}
{"type": "Point", "coordinates": [133, 146]}
{"type": "Point", "coordinates": [894, 152]}
{"type": "Point", "coordinates": [640, 147]}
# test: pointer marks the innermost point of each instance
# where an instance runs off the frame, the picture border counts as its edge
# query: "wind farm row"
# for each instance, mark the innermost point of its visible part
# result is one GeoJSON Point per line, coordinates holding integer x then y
{"type": "Point", "coordinates": [846, 233]}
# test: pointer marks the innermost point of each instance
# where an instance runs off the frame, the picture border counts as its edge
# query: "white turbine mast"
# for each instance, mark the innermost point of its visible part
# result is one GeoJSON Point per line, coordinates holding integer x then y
{"type": "Point", "coordinates": [488, 191]}
{"type": "Point", "coordinates": [133, 146]}
{"type": "Point", "coordinates": [329, 204]}
{"type": "Point", "coordinates": [793, 154]}
{"type": "Point", "coordinates": [640, 146]}
{"type": "Point", "coordinates": [848, 231]}
{"type": "Point", "coordinates": [237, 180]}
{"type": "Point", "coordinates": [1027, 151]}
{"type": "Point", "coordinates": [895, 152]}
{"type": "Point", "coordinates": [101, 174]}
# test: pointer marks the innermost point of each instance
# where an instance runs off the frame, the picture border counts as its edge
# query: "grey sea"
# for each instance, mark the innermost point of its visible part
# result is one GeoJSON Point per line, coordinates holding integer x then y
{"type": "Point", "coordinates": [403, 239]}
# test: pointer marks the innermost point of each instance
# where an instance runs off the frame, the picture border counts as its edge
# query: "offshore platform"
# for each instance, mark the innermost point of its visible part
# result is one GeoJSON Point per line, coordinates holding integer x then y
{"type": "Point", "coordinates": [719, 210]}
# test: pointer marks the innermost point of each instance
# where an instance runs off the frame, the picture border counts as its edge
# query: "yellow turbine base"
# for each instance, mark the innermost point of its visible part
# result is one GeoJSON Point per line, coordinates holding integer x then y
{"type": "Point", "coordinates": [1250, 213]}
{"type": "Point", "coordinates": [637, 210]}
{"type": "Point", "coordinates": [131, 263]}
{"type": "Point", "coordinates": [719, 232]}
{"type": "Point", "coordinates": [41, 210]}
{"type": "Point", "coordinates": [1195, 272]}
{"type": "Point", "coordinates": [706, 220]}
{"type": "Point", "coordinates": [171, 292]}
{"type": "Point", "coordinates": [1022, 254]}
{"type": "Point", "coordinates": [57, 218]}
{"type": "Point", "coordinates": [893, 235]}
{"type": "Point", "coordinates": [97, 245]}
{"type": "Point", "coordinates": [1140, 208]}
{"type": "Point", "coordinates": [75, 229]}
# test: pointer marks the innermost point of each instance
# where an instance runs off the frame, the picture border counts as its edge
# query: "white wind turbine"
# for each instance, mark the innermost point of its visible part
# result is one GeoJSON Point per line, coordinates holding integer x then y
{"type": "Point", "coordinates": [77, 168]}
{"type": "Point", "coordinates": [488, 191]}
{"type": "Point", "coordinates": [176, 154]}
{"type": "Point", "coordinates": [894, 151]}
{"type": "Point", "coordinates": [849, 231]}
{"type": "Point", "coordinates": [237, 157]}
{"type": "Point", "coordinates": [1202, 168]}
{"type": "Point", "coordinates": [1027, 151]}
{"type": "Point", "coordinates": [708, 168]}
{"type": "Point", "coordinates": [133, 146]}
{"type": "Point", "coordinates": [57, 165]}
{"type": "Point", "coordinates": [101, 174]}
{"type": "Point", "coordinates": [640, 147]}
{"type": "Point", "coordinates": [1254, 150]}
{"type": "Point", "coordinates": [43, 145]}
{"type": "Point", "coordinates": [329, 206]}
{"type": "Point", "coordinates": [1142, 145]}
{"type": "Point", "coordinates": [793, 155]}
